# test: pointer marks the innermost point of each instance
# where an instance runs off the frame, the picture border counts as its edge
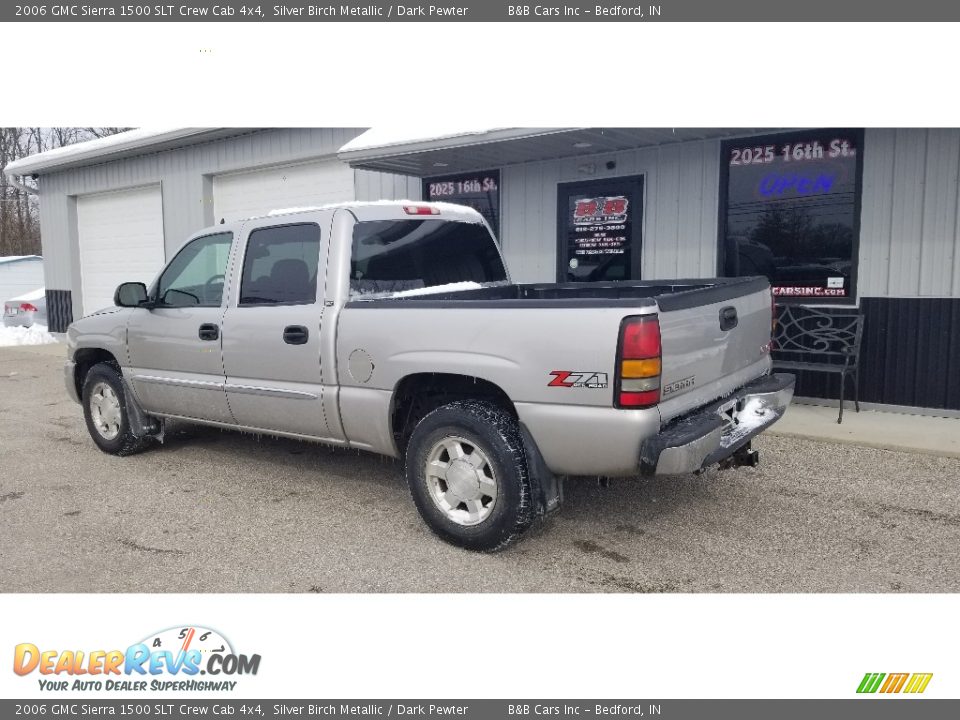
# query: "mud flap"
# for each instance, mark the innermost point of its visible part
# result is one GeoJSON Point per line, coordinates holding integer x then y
{"type": "Point", "coordinates": [546, 488]}
{"type": "Point", "coordinates": [141, 424]}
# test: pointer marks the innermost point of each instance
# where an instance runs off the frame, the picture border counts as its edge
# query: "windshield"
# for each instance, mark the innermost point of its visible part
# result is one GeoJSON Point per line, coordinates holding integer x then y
{"type": "Point", "coordinates": [392, 256]}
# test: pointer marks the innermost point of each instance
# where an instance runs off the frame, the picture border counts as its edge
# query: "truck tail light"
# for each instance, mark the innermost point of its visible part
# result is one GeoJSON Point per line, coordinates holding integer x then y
{"type": "Point", "coordinates": [639, 363]}
{"type": "Point", "coordinates": [420, 210]}
{"type": "Point", "coordinates": [27, 307]}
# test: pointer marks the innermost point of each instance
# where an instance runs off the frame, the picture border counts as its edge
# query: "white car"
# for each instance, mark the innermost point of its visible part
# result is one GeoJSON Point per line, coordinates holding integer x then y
{"type": "Point", "coordinates": [26, 310]}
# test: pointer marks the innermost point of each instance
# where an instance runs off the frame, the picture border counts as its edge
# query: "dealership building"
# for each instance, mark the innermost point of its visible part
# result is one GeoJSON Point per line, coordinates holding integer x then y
{"type": "Point", "coordinates": [837, 218]}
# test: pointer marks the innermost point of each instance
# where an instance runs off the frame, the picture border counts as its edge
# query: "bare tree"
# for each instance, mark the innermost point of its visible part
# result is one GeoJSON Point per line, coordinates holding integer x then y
{"type": "Point", "coordinates": [19, 210]}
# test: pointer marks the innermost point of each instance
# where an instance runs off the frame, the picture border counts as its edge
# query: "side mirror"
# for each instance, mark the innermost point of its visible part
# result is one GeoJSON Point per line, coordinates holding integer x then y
{"type": "Point", "coordinates": [130, 294]}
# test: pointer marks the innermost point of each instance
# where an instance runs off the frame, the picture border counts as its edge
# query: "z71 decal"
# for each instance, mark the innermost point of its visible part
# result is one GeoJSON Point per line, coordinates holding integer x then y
{"type": "Point", "coordinates": [578, 379]}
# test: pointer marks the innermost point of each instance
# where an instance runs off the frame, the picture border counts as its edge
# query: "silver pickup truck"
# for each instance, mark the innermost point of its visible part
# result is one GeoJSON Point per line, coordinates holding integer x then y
{"type": "Point", "coordinates": [394, 327]}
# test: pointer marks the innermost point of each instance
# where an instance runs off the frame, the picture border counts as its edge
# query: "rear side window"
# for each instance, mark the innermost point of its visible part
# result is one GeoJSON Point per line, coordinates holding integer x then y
{"type": "Point", "coordinates": [280, 266]}
{"type": "Point", "coordinates": [397, 255]}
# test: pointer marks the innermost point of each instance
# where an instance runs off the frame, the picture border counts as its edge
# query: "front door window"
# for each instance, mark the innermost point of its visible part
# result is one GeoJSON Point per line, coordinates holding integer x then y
{"type": "Point", "coordinates": [195, 276]}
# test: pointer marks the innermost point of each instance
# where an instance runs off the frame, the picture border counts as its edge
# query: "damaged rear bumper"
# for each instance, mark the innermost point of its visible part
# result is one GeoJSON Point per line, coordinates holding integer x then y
{"type": "Point", "coordinates": [717, 431]}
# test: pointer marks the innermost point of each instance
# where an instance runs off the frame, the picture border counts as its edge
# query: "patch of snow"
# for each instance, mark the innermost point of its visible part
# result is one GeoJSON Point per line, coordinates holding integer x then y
{"type": "Point", "coordinates": [449, 287]}
{"type": "Point", "coordinates": [464, 212]}
{"type": "Point", "coordinates": [38, 294]}
{"type": "Point", "coordinates": [35, 335]}
{"type": "Point", "coordinates": [129, 140]}
{"type": "Point", "coordinates": [393, 135]}
{"type": "Point", "coordinates": [304, 208]}
{"type": "Point", "coordinates": [15, 258]}
{"type": "Point", "coordinates": [383, 138]}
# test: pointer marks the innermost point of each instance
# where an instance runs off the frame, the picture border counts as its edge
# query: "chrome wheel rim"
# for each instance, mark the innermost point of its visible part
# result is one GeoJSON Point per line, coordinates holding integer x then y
{"type": "Point", "coordinates": [105, 411]}
{"type": "Point", "coordinates": [461, 480]}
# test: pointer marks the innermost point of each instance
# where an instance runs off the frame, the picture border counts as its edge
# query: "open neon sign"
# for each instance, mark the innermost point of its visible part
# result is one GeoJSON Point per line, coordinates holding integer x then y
{"type": "Point", "coordinates": [780, 184]}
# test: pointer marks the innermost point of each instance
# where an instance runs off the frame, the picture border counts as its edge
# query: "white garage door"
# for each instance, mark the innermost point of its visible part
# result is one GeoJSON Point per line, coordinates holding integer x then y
{"type": "Point", "coordinates": [248, 194]}
{"type": "Point", "coordinates": [121, 240]}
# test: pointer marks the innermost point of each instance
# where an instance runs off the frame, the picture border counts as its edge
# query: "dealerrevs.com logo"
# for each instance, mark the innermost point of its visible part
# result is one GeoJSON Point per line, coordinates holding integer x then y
{"type": "Point", "coordinates": [172, 659]}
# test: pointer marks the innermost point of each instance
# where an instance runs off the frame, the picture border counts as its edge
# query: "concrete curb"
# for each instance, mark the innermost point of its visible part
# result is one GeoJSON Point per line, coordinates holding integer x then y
{"type": "Point", "coordinates": [901, 432]}
{"type": "Point", "coordinates": [860, 442]}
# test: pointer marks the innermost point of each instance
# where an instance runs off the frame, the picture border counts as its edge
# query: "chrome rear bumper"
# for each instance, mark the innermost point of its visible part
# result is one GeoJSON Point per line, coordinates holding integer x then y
{"type": "Point", "coordinates": [716, 431]}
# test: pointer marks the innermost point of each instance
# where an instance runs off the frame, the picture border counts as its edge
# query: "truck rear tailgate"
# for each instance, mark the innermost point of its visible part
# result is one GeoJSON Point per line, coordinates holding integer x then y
{"type": "Point", "coordinates": [714, 340]}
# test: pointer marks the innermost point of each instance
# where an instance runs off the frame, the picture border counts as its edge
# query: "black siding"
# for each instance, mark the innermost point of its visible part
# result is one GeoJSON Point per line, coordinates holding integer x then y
{"type": "Point", "coordinates": [59, 310]}
{"type": "Point", "coordinates": [910, 355]}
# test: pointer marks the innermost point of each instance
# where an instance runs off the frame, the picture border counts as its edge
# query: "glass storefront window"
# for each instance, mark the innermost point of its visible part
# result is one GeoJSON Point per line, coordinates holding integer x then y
{"type": "Point", "coordinates": [790, 211]}
{"type": "Point", "coordinates": [480, 190]}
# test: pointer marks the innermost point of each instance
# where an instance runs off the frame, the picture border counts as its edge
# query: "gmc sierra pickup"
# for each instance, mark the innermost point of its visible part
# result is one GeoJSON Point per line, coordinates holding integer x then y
{"type": "Point", "coordinates": [394, 327]}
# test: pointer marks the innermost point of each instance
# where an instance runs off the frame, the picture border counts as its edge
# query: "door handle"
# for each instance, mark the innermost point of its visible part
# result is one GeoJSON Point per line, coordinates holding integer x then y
{"type": "Point", "coordinates": [209, 331]}
{"type": "Point", "coordinates": [295, 335]}
{"type": "Point", "coordinates": [728, 318]}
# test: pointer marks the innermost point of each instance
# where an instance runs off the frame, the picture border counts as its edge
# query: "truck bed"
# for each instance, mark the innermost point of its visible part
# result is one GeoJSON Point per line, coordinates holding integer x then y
{"type": "Point", "coordinates": [668, 295]}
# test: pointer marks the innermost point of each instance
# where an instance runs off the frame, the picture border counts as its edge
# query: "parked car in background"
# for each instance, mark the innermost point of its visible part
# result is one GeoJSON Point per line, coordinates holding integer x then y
{"type": "Point", "coordinates": [26, 310]}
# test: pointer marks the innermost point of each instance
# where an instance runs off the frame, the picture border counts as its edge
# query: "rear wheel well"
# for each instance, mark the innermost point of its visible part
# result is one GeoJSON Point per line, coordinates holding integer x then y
{"type": "Point", "coordinates": [85, 359]}
{"type": "Point", "coordinates": [417, 395]}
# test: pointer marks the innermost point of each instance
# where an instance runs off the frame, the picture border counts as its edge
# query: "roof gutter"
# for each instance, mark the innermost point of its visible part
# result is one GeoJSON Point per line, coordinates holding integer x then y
{"type": "Point", "coordinates": [101, 150]}
{"type": "Point", "coordinates": [356, 152]}
{"type": "Point", "coordinates": [19, 185]}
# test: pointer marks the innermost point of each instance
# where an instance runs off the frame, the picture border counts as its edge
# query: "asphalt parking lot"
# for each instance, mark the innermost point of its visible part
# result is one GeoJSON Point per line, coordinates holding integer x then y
{"type": "Point", "coordinates": [215, 511]}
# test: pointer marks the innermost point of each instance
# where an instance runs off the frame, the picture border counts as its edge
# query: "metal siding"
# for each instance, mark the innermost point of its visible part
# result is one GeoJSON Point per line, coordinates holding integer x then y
{"type": "Point", "coordinates": [645, 163]}
{"type": "Point", "coordinates": [666, 231]}
{"type": "Point", "coordinates": [536, 260]}
{"type": "Point", "coordinates": [910, 232]}
{"type": "Point", "coordinates": [875, 211]}
{"type": "Point", "coordinates": [939, 236]}
{"type": "Point", "coordinates": [689, 236]}
{"type": "Point", "coordinates": [56, 233]}
{"type": "Point", "coordinates": [709, 208]}
{"type": "Point", "coordinates": [903, 278]}
{"type": "Point", "coordinates": [59, 310]}
{"type": "Point", "coordinates": [955, 283]}
{"type": "Point", "coordinates": [512, 216]}
{"type": "Point", "coordinates": [908, 348]}
{"type": "Point", "coordinates": [183, 173]}
{"type": "Point", "coordinates": [909, 271]}
{"type": "Point", "coordinates": [372, 185]}
{"type": "Point", "coordinates": [19, 278]}
{"type": "Point", "coordinates": [509, 215]}
{"type": "Point", "coordinates": [679, 216]}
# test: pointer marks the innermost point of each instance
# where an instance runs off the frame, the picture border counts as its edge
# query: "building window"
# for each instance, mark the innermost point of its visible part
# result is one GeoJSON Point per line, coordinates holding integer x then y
{"type": "Point", "coordinates": [479, 190]}
{"type": "Point", "coordinates": [790, 210]}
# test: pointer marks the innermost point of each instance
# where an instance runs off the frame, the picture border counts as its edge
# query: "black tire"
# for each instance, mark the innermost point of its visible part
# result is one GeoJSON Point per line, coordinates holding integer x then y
{"type": "Point", "coordinates": [495, 432]}
{"type": "Point", "coordinates": [125, 442]}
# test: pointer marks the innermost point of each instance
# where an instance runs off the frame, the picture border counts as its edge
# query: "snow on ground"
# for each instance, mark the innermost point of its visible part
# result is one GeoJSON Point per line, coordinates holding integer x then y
{"type": "Point", "coordinates": [36, 335]}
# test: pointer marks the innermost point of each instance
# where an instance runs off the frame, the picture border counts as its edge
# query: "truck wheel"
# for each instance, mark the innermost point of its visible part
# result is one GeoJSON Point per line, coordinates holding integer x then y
{"type": "Point", "coordinates": [467, 474]}
{"type": "Point", "coordinates": [105, 410]}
